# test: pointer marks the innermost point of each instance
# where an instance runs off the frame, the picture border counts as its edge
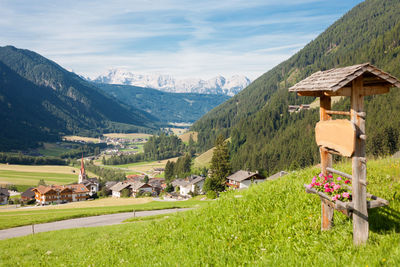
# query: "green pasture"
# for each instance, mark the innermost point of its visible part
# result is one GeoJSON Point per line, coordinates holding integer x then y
{"type": "Point", "coordinates": [32, 178]}
{"type": "Point", "coordinates": [274, 223]}
{"type": "Point", "coordinates": [22, 217]}
{"type": "Point", "coordinates": [51, 150]}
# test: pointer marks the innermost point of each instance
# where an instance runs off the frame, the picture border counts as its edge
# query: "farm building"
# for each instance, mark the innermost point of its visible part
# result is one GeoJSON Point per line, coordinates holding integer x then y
{"type": "Point", "coordinates": [189, 184]}
{"type": "Point", "coordinates": [243, 179]}
{"type": "Point", "coordinates": [57, 194]}
{"type": "Point", "coordinates": [133, 187]}
{"type": "Point", "coordinates": [28, 195]}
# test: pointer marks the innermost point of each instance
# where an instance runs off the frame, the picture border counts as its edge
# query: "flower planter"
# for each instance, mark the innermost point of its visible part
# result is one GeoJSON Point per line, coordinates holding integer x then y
{"type": "Point", "coordinates": [347, 208]}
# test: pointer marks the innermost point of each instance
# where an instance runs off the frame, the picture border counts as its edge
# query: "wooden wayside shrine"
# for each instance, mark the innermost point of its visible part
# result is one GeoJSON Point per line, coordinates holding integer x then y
{"type": "Point", "coordinates": [346, 137]}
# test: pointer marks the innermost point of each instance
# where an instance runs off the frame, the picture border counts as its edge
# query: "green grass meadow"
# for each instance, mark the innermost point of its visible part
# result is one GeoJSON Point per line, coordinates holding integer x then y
{"type": "Point", "coordinates": [271, 224]}
{"type": "Point", "coordinates": [32, 178]}
{"type": "Point", "coordinates": [20, 217]}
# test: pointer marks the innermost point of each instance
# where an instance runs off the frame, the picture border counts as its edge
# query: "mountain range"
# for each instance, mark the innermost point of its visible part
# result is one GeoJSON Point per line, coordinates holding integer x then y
{"type": "Point", "coordinates": [41, 101]}
{"type": "Point", "coordinates": [217, 85]}
{"type": "Point", "coordinates": [266, 137]}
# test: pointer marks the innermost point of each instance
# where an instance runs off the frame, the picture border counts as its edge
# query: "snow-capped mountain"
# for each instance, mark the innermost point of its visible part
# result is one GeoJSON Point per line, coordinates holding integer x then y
{"type": "Point", "coordinates": [167, 83]}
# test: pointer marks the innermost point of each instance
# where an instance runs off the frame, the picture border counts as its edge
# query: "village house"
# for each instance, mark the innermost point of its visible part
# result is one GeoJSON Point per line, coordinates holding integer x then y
{"type": "Point", "coordinates": [243, 179]}
{"type": "Point", "coordinates": [133, 187]}
{"type": "Point", "coordinates": [28, 195]}
{"type": "Point", "coordinates": [92, 184]}
{"type": "Point", "coordinates": [157, 184]}
{"type": "Point", "coordinates": [4, 195]}
{"type": "Point", "coordinates": [192, 184]}
{"type": "Point", "coordinates": [56, 194]}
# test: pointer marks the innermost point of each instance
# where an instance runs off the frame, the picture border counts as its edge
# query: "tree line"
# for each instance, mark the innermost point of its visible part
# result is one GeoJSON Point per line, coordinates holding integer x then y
{"type": "Point", "coordinates": [156, 148]}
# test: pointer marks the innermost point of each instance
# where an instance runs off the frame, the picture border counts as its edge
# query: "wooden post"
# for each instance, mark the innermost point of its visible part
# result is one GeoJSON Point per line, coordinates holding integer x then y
{"type": "Point", "coordinates": [326, 161]}
{"type": "Point", "coordinates": [360, 213]}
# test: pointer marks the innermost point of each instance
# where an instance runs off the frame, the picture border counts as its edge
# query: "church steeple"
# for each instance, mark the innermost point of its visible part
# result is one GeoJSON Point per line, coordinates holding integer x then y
{"type": "Point", "coordinates": [82, 174]}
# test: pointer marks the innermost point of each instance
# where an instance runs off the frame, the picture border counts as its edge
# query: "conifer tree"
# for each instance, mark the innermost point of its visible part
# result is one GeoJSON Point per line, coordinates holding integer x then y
{"type": "Point", "coordinates": [220, 166]}
{"type": "Point", "coordinates": [169, 171]}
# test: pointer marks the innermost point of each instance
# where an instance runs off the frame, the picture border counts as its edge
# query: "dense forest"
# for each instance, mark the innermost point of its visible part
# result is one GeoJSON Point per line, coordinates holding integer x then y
{"type": "Point", "coordinates": [41, 101]}
{"type": "Point", "coordinates": [266, 137]}
{"type": "Point", "coordinates": [166, 107]}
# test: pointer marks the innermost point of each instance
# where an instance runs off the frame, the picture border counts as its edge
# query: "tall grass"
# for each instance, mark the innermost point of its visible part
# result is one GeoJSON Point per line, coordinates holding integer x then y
{"type": "Point", "coordinates": [273, 223]}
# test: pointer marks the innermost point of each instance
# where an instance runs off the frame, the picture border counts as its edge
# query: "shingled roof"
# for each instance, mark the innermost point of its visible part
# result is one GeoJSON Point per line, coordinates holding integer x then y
{"type": "Point", "coordinates": [241, 175]}
{"type": "Point", "coordinates": [337, 78]}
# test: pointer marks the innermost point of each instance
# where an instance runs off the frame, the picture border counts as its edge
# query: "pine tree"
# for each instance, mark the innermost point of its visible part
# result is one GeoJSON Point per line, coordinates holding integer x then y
{"type": "Point", "coordinates": [169, 171]}
{"type": "Point", "coordinates": [220, 166]}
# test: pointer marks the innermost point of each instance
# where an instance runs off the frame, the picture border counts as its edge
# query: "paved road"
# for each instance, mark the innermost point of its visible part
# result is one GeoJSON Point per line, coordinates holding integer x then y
{"type": "Point", "coordinates": [109, 219]}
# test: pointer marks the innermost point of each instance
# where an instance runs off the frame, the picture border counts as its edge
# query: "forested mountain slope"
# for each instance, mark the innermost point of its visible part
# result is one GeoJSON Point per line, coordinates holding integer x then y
{"type": "Point", "coordinates": [266, 137]}
{"type": "Point", "coordinates": [40, 101]}
{"type": "Point", "coordinates": [167, 107]}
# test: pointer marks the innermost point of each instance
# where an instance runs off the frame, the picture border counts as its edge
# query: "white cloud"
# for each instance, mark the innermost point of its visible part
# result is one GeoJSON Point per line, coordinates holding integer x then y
{"type": "Point", "coordinates": [92, 36]}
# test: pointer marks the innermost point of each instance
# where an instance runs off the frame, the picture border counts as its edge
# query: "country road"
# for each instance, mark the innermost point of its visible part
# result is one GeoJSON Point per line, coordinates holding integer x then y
{"type": "Point", "coordinates": [101, 220]}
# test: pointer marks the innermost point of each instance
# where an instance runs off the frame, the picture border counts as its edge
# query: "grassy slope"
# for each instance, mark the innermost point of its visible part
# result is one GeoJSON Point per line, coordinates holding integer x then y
{"type": "Point", "coordinates": [11, 219]}
{"type": "Point", "coordinates": [204, 160]}
{"type": "Point", "coordinates": [274, 223]}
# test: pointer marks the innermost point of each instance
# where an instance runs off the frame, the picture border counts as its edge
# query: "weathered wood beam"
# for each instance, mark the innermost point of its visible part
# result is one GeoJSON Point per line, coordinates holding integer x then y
{"type": "Point", "coordinates": [310, 93]}
{"type": "Point", "coordinates": [327, 211]}
{"type": "Point", "coordinates": [335, 112]}
{"type": "Point", "coordinates": [365, 91]}
{"type": "Point", "coordinates": [359, 170]}
{"type": "Point", "coordinates": [348, 176]}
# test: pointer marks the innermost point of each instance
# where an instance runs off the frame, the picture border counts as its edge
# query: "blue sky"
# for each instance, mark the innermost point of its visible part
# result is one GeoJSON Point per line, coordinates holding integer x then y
{"type": "Point", "coordinates": [186, 39]}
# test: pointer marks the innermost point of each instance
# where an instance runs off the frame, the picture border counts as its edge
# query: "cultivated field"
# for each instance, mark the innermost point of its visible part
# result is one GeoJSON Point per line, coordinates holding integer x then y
{"type": "Point", "coordinates": [52, 150]}
{"type": "Point", "coordinates": [146, 166]}
{"type": "Point", "coordinates": [30, 175]}
{"type": "Point", "coordinates": [81, 138]}
{"type": "Point", "coordinates": [128, 136]}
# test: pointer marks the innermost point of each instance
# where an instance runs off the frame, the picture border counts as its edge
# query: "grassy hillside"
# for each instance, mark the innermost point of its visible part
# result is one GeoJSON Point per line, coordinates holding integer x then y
{"type": "Point", "coordinates": [271, 224]}
{"type": "Point", "coordinates": [266, 137]}
{"type": "Point", "coordinates": [204, 160]}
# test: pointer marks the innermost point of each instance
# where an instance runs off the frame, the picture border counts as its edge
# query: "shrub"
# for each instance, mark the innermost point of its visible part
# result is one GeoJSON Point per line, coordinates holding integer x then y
{"type": "Point", "coordinates": [211, 195]}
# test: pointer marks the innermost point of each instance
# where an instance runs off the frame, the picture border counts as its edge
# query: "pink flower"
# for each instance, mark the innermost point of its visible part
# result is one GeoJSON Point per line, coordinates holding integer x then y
{"type": "Point", "coordinates": [336, 187]}
{"type": "Point", "coordinates": [326, 185]}
{"type": "Point", "coordinates": [330, 176]}
{"type": "Point", "coordinates": [327, 190]}
{"type": "Point", "coordinates": [339, 178]}
{"type": "Point", "coordinates": [347, 181]}
{"type": "Point", "coordinates": [346, 195]}
{"type": "Point", "coordinates": [314, 179]}
{"type": "Point", "coordinates": [334, 198]}
{"type": "Point", "coordinates": [320, 175]}
{"type": "Point", "coordinates": [332, 184]}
